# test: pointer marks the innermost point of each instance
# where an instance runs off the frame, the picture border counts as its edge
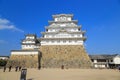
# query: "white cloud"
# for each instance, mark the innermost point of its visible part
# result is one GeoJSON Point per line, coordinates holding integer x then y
{"type": "Point", "coordinates": [3, 42]}
{"type": "Point", "coordinates": [6, 24]}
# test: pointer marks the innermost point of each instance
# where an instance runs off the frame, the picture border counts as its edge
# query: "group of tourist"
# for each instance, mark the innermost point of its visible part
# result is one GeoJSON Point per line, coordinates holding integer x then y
{"type": "Point", "coordinates": [10, 67]}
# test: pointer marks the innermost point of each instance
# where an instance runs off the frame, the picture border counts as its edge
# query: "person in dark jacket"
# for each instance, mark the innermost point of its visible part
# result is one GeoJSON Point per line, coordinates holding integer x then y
{"type": "Point", "coordinates": [4, 69]}
{"type": "Point", "coordinates": [119, 68]}
{"type": "Point", "coordinates": [10, 68]}
{"type": "Point", "coordinates": [16, 68]}
{"type": "Point", "coordinates": [19, 68]}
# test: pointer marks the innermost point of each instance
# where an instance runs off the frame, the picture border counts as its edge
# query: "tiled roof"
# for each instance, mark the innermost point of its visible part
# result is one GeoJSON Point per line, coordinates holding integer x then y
{"type": "Point", "coordinates": [102, 56]}
{"type": "Point", "coordinates": [4, 56]}
{"type": "Point", "coordinates": [30, 34]}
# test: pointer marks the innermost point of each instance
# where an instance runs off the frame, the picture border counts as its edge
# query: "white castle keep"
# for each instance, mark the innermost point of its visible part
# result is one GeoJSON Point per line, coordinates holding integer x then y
{"type": "Point", "coordinates": [63, 39]}
{"type": "Point", "coordinates": [63, 31]}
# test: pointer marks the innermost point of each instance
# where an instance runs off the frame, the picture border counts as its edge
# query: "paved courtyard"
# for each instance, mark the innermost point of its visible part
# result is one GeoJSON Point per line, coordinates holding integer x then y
{"type": "Point", "coordinates": [66, 74]}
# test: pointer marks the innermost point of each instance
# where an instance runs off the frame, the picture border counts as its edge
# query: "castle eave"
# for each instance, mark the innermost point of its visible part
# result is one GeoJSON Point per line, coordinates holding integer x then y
{"type": "Point", "coordinates": [24, 50]}
{"type": "Point", "coordinates": [57, 27]}
{"type": "Point", "coordinates": [78, 32]}
{"type": "Point", "coordinates": [28, 43]}
{"type": "Point", "coordinates": [83, 38]}
{"type": "Point", "coordinates": [60, 15]}
{"type": "Point", "coordinates": [74, 21]}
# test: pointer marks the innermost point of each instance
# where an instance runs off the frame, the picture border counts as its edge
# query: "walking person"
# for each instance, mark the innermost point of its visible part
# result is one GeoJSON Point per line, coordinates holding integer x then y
{"type": "Point", "coordinates": [39, 67]}
{"type": "Point", "coordinates": [10, 68]}
{"type": "Point", "coordinates": [62, 67]}
{"type": "Point", "coordinates": [4, 69]}
{"type": "Point", "coordinates": [16, 68]}
{"type": "Point", "coordinates": [19, 68]}
{"type": "Point", "coordinates": [119, 68]}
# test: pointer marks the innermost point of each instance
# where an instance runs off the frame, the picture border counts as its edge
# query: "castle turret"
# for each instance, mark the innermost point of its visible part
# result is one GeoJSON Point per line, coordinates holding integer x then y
{"type": "Point", "coordinates": [29, 55]}
{"type": "Point", "coordinates": [30, 42]}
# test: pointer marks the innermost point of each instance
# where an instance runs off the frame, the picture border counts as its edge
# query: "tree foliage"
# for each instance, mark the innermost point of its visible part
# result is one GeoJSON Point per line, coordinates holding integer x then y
{"type": "Point", "coordinates": [3, 62]}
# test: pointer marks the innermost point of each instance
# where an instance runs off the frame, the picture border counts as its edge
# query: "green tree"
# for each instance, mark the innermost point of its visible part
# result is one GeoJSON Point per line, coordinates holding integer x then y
{"type": "Point", "coordinates": [3, 62]}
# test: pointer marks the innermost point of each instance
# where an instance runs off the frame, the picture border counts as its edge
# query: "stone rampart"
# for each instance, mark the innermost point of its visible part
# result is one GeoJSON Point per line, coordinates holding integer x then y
{"type": "Point", "coordinates": [29, 61]}
{"type": "Point", "coordinates": [71, 56]}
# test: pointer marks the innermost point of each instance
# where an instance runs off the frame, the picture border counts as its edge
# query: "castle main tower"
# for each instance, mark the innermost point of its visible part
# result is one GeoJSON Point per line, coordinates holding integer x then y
{"type": "Point", "coordinates": [63, 43]}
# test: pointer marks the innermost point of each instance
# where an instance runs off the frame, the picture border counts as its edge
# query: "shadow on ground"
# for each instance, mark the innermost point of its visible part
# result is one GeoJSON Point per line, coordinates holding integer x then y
{"type": "Point", "coordinates": [30, 79]}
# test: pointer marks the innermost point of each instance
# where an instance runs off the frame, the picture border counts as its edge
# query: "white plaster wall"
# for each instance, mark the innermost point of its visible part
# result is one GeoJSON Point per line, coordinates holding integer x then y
{"type": "Point", "coordinates": [63, 35]}
{"type": "Point", "coordinates": [24, 52]}
{"type": "Point", "coordinates": [53, 30]}
{"type": "Point", "coordinates": [116, 60]}
{"type": "Point", "coordinates": [62, 25]}
{"type": "Point", "coordinates": [103, 66]}
{"type": "Point", "coordinates": [69, 19]}
{"type": "Point", "coordinates": [28, 42]}
{"type": "Point", "coordinates": [30, 37]}
{"type": "Point", "coordinates": [95, 61]}
{"type": "Point", "coordinates": [62, 19]}
{"type": "Point", "coordinates": [95, 65]}
{"type": "Point", "coordinates": [56, 19]}
{"type": "Point", "coordinates": [28, 46]}
{"type": "Point", "coordinates": [67, 42]}
{"type": "Point", "coordinates": [74, 29]}
{"type": "Point", "coordinates": [99, 66]}
{"type": "Point", "coordinates": [3, 58]}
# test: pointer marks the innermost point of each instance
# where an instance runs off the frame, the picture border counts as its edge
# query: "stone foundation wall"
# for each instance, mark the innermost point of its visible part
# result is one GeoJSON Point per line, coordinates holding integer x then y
{"type": "Point", "coordinates": [71, 56]}
{"type": "Point", "coordinates": [30, 61]}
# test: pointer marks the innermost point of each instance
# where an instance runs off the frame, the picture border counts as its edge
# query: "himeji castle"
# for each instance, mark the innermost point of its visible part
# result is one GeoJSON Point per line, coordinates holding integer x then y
{"type": "Point", "coordinates": [63, 31]}
{"type": "Point", "coordinates": [62, 43]}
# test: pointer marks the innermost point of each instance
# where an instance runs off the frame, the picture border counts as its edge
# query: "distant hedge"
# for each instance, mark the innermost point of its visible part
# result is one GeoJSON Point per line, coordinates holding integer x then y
{"type": "Point", "coordinates": [3, 62]}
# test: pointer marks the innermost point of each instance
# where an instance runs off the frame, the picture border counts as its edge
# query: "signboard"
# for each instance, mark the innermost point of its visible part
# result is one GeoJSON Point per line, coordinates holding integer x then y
{"type": "Point", "coordinates": [23, 74]}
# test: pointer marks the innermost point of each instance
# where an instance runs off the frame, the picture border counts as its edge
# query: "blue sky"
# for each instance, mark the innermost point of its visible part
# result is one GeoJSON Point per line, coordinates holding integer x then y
{"type": "Point", "coordinates": [100, 19]}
